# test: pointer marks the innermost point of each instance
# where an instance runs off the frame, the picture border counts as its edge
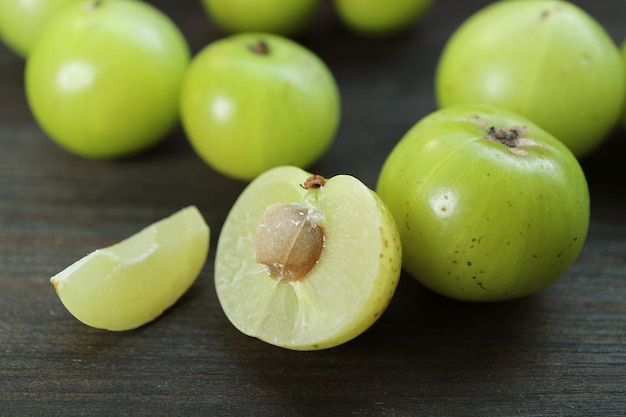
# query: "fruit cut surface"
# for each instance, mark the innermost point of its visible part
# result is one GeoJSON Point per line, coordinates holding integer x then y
{"type": "Point", "coordinates": [342, 295]}
{"type": "Point", "coordinates": [132, 282]}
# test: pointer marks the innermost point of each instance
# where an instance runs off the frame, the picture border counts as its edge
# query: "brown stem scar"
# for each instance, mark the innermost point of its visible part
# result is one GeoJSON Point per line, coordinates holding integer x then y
{"type": "Point", "coordinates": [508, 136]}
{"type": "Point", "coordinates": [315, 181]}
{"type": "Point", "coordinates": [260, 47]}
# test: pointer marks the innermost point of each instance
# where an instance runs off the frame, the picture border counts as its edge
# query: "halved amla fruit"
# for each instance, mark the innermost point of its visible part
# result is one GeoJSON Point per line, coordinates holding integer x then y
{"type": "Point", "coordinates": [133, 282]}
{"type": "Point", "coordinates": [306, 263]}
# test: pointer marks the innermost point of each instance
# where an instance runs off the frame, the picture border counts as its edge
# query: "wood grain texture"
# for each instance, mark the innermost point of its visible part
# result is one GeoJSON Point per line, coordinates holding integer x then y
{"type": "Point", "coordinates": [559, 353]}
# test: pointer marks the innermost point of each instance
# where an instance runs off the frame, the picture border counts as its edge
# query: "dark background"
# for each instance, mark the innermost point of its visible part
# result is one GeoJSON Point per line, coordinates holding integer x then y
{"type": "Point", "coordinates": [558, 353]}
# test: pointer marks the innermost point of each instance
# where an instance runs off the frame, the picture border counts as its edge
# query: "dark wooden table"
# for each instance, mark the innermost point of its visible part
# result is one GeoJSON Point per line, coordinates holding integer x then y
{"type": "Point", "coordinates": [559, 353]}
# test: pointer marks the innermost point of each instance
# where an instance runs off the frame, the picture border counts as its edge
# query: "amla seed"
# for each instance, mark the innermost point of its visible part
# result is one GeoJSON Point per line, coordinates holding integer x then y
{"type": "Point", "coordinates": [288, 241]}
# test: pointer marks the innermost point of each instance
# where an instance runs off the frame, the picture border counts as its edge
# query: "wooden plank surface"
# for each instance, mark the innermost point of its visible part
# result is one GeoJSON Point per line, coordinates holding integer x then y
{"type": "Point", "coordinates": [559, 353]}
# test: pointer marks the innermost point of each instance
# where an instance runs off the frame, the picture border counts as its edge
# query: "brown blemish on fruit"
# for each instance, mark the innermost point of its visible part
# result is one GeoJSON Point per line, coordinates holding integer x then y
{"type": "Point", "coordinates": [479, 283]}
{"type": "Point", "coordinates": [260, 47]}
{"type": "Point", "coordinates": [288, 242]}
{"type": "Point", "coordinates": [481, 122]}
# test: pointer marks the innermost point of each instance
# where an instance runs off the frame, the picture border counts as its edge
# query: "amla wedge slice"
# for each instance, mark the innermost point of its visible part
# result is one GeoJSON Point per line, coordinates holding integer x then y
{"type": "Point", "coordinates": [132, 282]}
{"type": "Point", "coordinates": [265, 280]}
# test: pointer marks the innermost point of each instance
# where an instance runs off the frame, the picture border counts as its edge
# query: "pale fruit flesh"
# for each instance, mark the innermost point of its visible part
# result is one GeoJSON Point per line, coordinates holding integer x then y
{"type": "Point", "coordinates": [132, 282]}
{"type": "Point", "coordinates": [345, 291]}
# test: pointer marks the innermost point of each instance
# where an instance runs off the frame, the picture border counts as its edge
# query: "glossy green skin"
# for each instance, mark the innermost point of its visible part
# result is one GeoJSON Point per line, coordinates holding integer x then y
{"type": "Point", "coordinates": [104, 81]}
{"type": "Point", "coordinates": [570, 82]}
{"type": "Point", "coordinates": [379, 18]}
{"type": "Point", "coordinates": [246, 112]}
{"type": "Point", "coordinates": [479, 220]}
{"type": "Point", "coordinates": [283, 17]}
{"type": "Point", "coordinates": [22, 21]}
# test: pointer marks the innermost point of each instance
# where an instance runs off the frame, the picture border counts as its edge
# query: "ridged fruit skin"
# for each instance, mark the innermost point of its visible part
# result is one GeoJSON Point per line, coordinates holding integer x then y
{"type": "Point", "coordinates": [104, 80]}
{"type": "Point", "coordinates": [547, 60]}
{"type": "Point", "coordinates": [480, 220]}
{"type": "Point", "coordinates": [254, 101]}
